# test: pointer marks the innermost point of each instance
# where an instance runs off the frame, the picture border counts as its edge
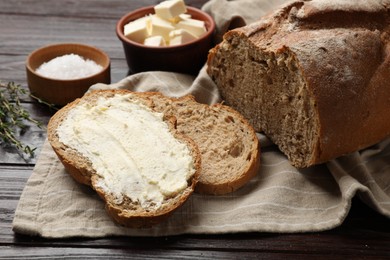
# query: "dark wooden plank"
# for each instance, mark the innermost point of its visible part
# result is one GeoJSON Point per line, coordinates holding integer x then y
{"type": "Point", "coordinates": [104, 253]}
{"type": "Point", "coordinates": [317, 243]}
{"type": "Point", "coordinates": [12, 182]}
{"type": "Point", "coordinates": [23, 34]}
{"type": "Point", "coordinates": [310, 244]}
{"type": "Point", "coordinates": [75, 8]}
{"type": "Point", "coordinates": [12, 68]}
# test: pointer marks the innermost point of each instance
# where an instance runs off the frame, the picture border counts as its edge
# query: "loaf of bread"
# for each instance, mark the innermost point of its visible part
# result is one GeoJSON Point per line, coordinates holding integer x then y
{"type": "Point", "coordinates": [132, 155]}
{"type": "Point", "coordinates": [229, 147]}
{"type": "Point", "coordinates": [314, 76]}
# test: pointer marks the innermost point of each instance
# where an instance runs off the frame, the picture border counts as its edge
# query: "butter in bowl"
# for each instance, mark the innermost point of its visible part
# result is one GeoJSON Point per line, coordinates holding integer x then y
{"type": "Point", "coordinates": [169, 37]}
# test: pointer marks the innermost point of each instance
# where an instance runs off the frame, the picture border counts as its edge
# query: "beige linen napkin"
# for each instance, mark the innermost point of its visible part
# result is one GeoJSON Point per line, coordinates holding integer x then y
{"type": "Point", "coordinates": [280, 198]}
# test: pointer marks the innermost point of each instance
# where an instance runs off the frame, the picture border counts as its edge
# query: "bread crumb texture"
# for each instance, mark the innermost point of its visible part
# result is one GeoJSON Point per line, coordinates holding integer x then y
{"type": "Point", "coordinates": [228, 143]}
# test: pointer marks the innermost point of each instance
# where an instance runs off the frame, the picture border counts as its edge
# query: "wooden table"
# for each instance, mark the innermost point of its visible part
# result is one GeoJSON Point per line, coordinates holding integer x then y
{"type": "Point", "coordinates": [26, 25]}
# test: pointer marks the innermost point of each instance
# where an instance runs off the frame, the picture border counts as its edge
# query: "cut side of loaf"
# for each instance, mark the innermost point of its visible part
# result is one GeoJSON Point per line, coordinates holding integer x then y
{"type": "Point", "coordinates": [312, 75]}
{"type": "Point", "coordinates": [131, 154]}
{"type": "Point", "coordinates": [228, 144]}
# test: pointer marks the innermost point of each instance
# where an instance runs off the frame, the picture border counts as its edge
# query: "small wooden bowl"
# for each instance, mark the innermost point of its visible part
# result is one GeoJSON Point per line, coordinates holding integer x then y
{"type": "Point", "coordinates": [60, 91]}
{"type": "Point", "coordinates": [185, 58]}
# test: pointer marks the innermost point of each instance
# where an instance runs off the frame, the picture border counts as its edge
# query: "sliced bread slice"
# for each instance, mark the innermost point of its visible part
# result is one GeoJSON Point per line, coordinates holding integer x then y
{"type": "Point", "coordinates": [131, 154]}
{"type": "Point", "coordinates": [228, 143]}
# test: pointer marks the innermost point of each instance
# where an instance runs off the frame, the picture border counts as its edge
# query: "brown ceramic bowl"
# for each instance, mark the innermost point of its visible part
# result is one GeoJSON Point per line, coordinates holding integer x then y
{"type": "Point", "coordinates": [185, 58]}
{"type": "Point", "coordinates": [62, 91]}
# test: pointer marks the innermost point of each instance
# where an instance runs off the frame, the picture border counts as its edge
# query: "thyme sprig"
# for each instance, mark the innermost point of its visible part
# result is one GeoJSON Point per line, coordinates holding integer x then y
{"type": "Point", "coordinates": [13, 117]}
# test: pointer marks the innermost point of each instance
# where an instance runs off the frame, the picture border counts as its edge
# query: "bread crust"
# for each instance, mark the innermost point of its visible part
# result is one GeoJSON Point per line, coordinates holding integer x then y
{"type": "Point", "coordinates": [342, 51]}
{"type": "Point", "coordinates": [81, 170]}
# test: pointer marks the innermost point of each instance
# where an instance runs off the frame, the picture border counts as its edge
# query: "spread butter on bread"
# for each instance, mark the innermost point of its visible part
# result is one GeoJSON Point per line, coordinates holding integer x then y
{"type": "Point", "coordinates": [145, 153]}
{"type": "Point", "coordinates": [132, 155]}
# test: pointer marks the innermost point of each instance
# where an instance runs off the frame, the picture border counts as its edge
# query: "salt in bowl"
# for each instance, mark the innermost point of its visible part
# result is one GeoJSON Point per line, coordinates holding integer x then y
{"type": "Point", "coordinates": [62, 91]}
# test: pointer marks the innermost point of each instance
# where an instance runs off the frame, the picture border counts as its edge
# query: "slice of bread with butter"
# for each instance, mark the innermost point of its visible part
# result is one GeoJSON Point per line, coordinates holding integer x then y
{"type": "Point", "coordinates": [130, 154]}
{"type": "Point", "coordinates": [145, 153]}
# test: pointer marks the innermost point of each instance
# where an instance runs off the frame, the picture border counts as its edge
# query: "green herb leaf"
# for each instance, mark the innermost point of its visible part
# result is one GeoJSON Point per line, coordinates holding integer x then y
{"type": "Point", "coordinates": [13, 117]}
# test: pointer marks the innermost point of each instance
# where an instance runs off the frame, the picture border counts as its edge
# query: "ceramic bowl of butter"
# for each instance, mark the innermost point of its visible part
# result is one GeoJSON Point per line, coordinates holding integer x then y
{"type": "Point", "coordinates": [154, 41]}
{"type": "Point", "coordinates": [60, 73]}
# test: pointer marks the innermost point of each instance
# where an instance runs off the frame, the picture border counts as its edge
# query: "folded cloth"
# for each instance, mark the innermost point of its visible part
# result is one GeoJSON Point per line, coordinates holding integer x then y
{"type": "Point", "coordinates": [280, 198]}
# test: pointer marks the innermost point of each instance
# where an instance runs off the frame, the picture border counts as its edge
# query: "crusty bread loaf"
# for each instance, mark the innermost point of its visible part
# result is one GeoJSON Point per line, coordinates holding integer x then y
{"type": "Point", "coordinates": [313, 76]}
{"type": "Point", "coordinates": [228, 143]}
{"type": "Point", "coordinates": [81, 164]}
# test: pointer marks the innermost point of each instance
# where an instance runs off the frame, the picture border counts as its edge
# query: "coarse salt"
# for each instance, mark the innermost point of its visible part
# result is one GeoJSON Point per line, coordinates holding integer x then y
{"type": "Point", "coordinates": [69, 66]}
